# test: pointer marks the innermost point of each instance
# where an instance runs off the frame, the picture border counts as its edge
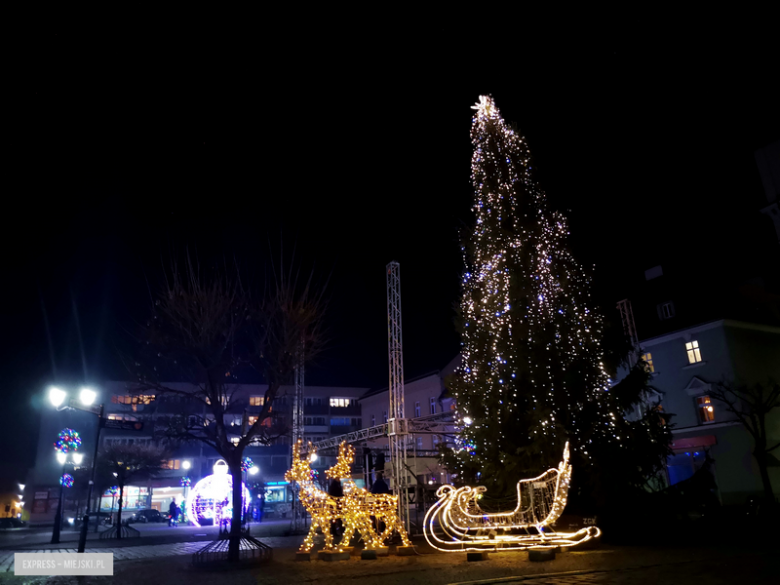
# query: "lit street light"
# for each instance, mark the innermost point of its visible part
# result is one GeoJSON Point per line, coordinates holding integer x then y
{"type": "Point", "coordinates": [186, 464]}
{"type": "Point", "coordinates": [87, 398]}
{"type": "Point", "coordinates": [62, 459]}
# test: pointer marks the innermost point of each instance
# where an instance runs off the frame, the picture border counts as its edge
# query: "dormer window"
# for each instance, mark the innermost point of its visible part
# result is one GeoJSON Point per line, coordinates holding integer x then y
{"type": "Point", "coordinates": [694, 355]}
{"type": "Point", "coordinates": [705, 409]}
{"type": "Point", "coordinates": [665, 310]}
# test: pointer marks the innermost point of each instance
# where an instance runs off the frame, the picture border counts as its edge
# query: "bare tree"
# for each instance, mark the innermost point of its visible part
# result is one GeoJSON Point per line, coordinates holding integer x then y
{"type": "Point", "coordinates": [128, 463]}
{"type": "Point", "coordinates": [752, 403]}
{"type": "Point", "coordinates": [207, 328]}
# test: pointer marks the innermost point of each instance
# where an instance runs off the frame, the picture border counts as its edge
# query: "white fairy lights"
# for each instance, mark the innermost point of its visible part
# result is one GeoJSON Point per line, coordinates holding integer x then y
{"type": "Point", "coordinates": [540, 502]}
{"type": "Point", "coordinates": [530, 340]}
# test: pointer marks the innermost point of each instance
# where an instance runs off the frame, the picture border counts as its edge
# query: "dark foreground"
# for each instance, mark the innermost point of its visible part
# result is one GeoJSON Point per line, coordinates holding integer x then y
{"type": "Point", "coordinates": [605, 564]}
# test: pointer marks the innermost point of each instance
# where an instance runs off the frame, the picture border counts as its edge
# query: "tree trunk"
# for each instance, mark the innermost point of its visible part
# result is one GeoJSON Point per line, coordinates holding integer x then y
{"type": "Point", "coordinates": [238, 504]}
{"type": "Point", "coordinates": [761, 459]}
{"type": "Point", "coordinates": [119, 513]}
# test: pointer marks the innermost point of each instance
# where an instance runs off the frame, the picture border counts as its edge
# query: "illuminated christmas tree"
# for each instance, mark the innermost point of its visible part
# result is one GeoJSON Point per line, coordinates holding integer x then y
{"type": "Point", "coordinates": [532, 375]}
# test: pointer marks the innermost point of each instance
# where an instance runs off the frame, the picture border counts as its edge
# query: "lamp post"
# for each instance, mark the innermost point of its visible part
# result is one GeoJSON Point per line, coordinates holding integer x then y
{"type": "Point", "coordinates": [62, 459]}
{"type": "Point", "coordinates": [87, 399]}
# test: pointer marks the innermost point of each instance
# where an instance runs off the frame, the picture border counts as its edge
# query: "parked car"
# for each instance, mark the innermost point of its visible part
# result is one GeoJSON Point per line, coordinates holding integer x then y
{"type": "Point", "coordinates": [11, 523]}
{"type": "Point", "coordinates": [149, 515]}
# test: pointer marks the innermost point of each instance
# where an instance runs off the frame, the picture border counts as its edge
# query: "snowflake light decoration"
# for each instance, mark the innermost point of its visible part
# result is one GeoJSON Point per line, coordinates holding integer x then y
{"type": "Point", "coordinates": [68, 441]}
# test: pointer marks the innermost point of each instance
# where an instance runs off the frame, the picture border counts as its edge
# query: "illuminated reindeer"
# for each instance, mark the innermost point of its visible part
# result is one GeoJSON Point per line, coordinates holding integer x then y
{"type": "Point", "coordinates": [360, 505]}
{"type": "Point", "coordinates": [322, 507]}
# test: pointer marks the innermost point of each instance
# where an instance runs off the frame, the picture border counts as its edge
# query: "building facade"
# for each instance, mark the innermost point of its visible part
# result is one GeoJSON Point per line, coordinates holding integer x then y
{"type": "Point", "coordinates": [327, 411]}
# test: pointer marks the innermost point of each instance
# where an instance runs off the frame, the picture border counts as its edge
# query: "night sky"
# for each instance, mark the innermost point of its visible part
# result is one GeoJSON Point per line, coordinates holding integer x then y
{"type": "Point", "coordinates": [355, 156]}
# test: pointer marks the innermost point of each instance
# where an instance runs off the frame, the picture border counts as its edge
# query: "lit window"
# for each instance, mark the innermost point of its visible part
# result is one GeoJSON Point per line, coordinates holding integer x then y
{"type": "Point", "coordinates": [433, 406]}
{"type": "Point", "coordinates": [706, 411]}
{"type": "Point", "coordinates": [648, 359]}
{"type": "Point", "coordinates": [436, 440]}
{"type": "Point", "coordinates": [416, 409]}
{"type": "Point", "coordinates": [173, 464]}
{"type": "Point", "coordinates": [340, 402]}
{"type": "Point", "coordinates": [694, 356]}
{"type": "Point", "coordinates": [419, 442]}
{"type": "Point", "coordinates": [256, 400]}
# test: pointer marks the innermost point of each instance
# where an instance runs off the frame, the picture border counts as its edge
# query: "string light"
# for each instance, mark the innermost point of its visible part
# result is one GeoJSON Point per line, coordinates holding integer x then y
{"type": "Point", "coordinates": [355, 509]}
{"type": "Point", "coordinates": [540, 502]}
{"type": "Point", "coordinates": [211, 499]}
{"type": "Point", "coordinates": [66, 480]}
{"type": "Point", "coordinates": [531, 353]}
{"type": "Point", "coordinates": [185, 481]}
{"type": "Point", "coordinates": [68, 441]}
{"type": "Point", "coordinates": [247, 464]}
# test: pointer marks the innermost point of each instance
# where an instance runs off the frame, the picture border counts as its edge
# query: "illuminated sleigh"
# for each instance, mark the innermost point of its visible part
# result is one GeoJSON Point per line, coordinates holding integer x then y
{"type": "Point", "coordinates": [540, 502]}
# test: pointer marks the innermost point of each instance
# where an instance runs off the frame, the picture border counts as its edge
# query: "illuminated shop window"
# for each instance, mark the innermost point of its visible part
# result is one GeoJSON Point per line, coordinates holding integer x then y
{"type": "Point", "coordinates": [648, 359]}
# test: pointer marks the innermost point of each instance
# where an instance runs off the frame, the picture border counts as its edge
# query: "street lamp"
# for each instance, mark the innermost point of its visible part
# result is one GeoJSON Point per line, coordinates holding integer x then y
{"type": "Point", "coordinates": [87, 398]}
{"type": "Point", "coordinates": [186, 464]}
{"type": "Point", "coordinates": [62, 458]}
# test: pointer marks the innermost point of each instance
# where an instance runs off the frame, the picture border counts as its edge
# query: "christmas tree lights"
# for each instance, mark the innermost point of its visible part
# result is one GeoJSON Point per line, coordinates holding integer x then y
{"type": "Point", "coordinates": [531, 374]}
{"type": "Point", "coordinates": [66, 480]}
{"type": "Point", "coordinates": [247, 464]}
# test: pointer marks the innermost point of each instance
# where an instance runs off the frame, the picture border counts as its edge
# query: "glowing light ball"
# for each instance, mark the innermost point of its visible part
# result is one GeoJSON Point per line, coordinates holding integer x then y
{"type": "Point", "coordinates": [211, 500]}
{"type": "Point", "coordinates": [68, 441]}
{"type": "Point", "coordinates": [185, 481]}
{"type": "Point", "coordinates": [66, 480]}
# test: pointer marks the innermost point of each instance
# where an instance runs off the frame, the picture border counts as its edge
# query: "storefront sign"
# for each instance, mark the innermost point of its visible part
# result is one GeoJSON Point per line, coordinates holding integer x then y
{"type": "Point", "coordinates": [123, 425]}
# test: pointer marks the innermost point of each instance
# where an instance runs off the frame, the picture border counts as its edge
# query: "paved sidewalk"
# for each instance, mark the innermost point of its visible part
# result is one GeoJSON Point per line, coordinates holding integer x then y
{"type": "Point", "coordinates": [129, 553]}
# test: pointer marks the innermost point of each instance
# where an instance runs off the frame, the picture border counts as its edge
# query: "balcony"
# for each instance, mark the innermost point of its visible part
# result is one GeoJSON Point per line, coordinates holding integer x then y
{"type": "Point", "coordinates": [345, 410]}
{"type": "Point", "coordinates": [309, 409]}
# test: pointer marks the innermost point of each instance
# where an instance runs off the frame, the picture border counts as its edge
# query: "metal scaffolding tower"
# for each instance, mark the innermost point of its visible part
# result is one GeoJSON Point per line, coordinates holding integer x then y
{"type": "Point", "coordinates": [396, 423]}
{"type": "Point", "coordinates": [298, 513]}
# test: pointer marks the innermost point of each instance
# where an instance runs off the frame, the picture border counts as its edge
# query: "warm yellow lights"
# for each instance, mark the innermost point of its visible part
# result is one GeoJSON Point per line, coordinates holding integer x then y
{"type": "Point", "coordinates": [540, 502]}
{"type": "Point", "coordinates": [357, 509]}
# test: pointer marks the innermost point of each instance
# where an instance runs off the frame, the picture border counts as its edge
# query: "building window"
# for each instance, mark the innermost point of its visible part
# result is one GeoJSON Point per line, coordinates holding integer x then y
{"type": "Point", "coordinates": [706, 411]}
{"type": "Point", "coordinates": [436, 440]}
{"type": "Point", "coordinates": [141, 399]}
{"type": "Point", "coordinates": [433, 406]}
{"type": "Point", "coordinates": [665, 310]}
{"type": "Point", "coordinates": [384, 415]}
{"type": "Point", "coordinates": [256, 400]}
{"type": "Point", "coordinates": [339, 422]}
{"type": "Point", "coordinates": [173, 464]}
{"type": "Point", "coordinates": [341, 402]}
{"type": "Point", "coordinates": [121, 417]}
{"type": "Point", "coordinates": [373, 420]}
{"type": "Point", "coordinates": [648, 359]}
{"type": "Point", "coordinates": [694, 355]}
{"type": "Point", "coordinates": [419, 442]}
{"type": "Point", "coordinates": [416, 409]}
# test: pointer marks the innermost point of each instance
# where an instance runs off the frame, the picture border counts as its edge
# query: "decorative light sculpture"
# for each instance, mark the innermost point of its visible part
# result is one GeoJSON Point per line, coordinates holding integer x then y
{"type": "Point", "coordinates": [68, 441]}
{"type": "Point", "coordinates": [355, 508]}
{"type": "Point", "coordinates": [211, 500]}
{"type": "Point", "coordinates": [247, 464]}
{"type": "Point", "coordinates": [66, 480]}
{"type": "Point", "coordinates": [185, 481]}
{"type": "Point", "coordinates": [540, 502]}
